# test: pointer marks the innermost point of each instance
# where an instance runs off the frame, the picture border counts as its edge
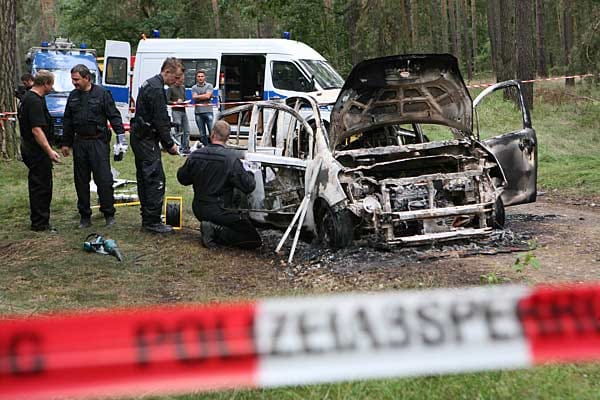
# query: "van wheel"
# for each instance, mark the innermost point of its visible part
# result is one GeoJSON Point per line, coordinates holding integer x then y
{"type": "Point", "coordinates": [498, 217]}
{"type": "Point", "coordinates": [334, 229]}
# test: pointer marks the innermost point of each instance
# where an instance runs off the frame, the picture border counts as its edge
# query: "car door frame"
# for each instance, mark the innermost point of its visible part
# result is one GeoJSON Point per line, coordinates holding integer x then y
{"type": "Point", "coordinates": [256, 154]}
{"type": "Point", "coordinates": [516, 152]}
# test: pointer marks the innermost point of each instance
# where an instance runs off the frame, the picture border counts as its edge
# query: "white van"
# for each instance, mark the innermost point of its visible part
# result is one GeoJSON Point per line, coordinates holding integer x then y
{"type": "Point", "coordinates": [241, 71]}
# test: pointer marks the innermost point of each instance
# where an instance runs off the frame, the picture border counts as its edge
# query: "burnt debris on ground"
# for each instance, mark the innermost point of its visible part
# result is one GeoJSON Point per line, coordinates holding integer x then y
{"type": "Point", "coordinates": [363, 256]}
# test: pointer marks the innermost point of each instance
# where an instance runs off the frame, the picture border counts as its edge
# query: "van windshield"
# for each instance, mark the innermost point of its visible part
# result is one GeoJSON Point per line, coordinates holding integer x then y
{"type": "Point", "coordinates": [62, 80]}
{"type": "Point", "coordinates": [324, 74]}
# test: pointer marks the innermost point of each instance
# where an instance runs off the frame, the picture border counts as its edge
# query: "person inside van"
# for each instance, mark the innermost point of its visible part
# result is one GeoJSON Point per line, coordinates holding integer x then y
{"type": "Point", "coordinates": [201, 94]}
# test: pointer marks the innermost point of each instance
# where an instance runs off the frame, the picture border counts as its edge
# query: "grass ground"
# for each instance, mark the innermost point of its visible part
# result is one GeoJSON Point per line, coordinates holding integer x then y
{"type": "Point", "coordinates": [42, 272]}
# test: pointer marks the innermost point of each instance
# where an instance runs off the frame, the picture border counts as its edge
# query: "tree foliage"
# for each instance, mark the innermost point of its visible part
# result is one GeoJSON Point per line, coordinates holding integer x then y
{"type": "Point", "coordinates": [480, 33]}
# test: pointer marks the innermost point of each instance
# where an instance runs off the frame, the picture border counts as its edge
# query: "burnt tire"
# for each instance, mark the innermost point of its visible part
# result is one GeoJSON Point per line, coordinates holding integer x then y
{"type": "Point", "coordinates": [335, 229]}
{"type": "Point", "coordinates": [498, 217]}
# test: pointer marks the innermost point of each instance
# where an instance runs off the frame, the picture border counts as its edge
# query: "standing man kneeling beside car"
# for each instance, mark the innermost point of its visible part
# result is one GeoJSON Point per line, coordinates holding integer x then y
{"type": "Point", "coordinates": [215, 171]}
{"type": "Point", "coordinates": [88, 108]}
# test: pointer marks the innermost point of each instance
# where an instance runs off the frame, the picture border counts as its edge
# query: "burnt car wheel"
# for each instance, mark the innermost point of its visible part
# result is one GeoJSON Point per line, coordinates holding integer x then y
{"type": "Point", "coordinates": [334, 229]}
{"type": "Point", "coordinates": [498, 217]}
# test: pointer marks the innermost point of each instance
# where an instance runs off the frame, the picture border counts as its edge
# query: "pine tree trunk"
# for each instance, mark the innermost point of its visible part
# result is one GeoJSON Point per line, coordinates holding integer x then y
{"type": "Point", "coordinates": [454, 33]}
{"type": "Point", "coordinates": [542, 68]}
{"type": "Point", "coordinates": [48, 21]}
{"type": "Point", "coordinates": [216, 17]}
{"type": "Point", "coordinates": [568, 40]}
{"type": "Point", "coordinates": [506, 67]}
{"type": "Point", "coordinates": [457, 29]}
{"type": "Point", "coordinates": [444, 7]}
{"type": "Point", "coordinates": [474, 33]}
{"type": "Point", "coordinates": [352, 15]}
{"type": "Point", "coordinates": [414, 32]}
{"type": "Point", "coordinates": [492, 22]}
{"type": "Point", "coordinates": [466, 39]}
{"type": "Point", "coordinates": [525, 65]}
{"type": "Point", "coordinates": [433, 44]}
{"type": "Point", "coordinates": [409, 24]}
{"type": "Point", "coordinates": [9, 142]}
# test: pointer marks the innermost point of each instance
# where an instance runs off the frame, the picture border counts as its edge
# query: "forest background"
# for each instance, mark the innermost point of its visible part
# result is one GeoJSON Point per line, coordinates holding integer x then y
{"type": "Point", "coordinates": [499, 39]}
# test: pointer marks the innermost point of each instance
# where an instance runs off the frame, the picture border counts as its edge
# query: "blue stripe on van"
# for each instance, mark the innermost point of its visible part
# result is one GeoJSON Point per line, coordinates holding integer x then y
{"type": "Point", "coordinates": [269, 94]}
{"type": "Point", "coordinates": [119, 94]}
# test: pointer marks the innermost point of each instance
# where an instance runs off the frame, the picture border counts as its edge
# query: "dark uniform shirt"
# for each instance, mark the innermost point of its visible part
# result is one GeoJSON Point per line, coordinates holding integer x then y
{"type": "Point", "coordinates": [20, 92]}
{"type": "Point", "coordinates": [33, 112]}
{"type": "Point", "coordinates": [86, 114]}
{"type": "Point", "coordinates": [215, 171]}
{"type": "Point", "coordinates": [151, 119]}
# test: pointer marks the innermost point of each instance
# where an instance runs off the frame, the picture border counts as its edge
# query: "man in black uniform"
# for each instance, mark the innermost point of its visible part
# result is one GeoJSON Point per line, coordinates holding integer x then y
{"type": "Point", "coordinates": [36, 132]}
{"type": "Point", "coordinates": [215, 171]}
{"type": "Point", "coordinates": [88, 108]}
{"type": "Point", "coordinates": [150, 126]}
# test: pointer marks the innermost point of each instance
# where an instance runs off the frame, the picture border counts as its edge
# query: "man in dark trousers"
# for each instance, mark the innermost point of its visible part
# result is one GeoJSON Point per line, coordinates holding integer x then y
{"type": "Point", "coordinates": [150, 126]}
{"type": "Point", "coordinates": [36, 132]}
{"type": "Point", "coordinates": [88, 108]}
{"type": "Point", "coordinates": [214, 171]}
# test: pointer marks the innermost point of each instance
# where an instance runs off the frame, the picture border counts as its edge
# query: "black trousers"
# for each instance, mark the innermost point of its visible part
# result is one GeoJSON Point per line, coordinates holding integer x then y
{"type": "Point", "coordinates": [235, 229]}
{"type": "Point", "coordinates": [93, 157]}
{"type": "Point", "coordinates": [150, 178]}
{"type": "Point", "coordinates": [39, 181]}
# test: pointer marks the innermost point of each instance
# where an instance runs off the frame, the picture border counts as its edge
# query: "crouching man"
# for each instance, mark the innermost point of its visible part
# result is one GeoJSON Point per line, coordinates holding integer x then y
{"type": "Point", "coordinates": [214, 171]}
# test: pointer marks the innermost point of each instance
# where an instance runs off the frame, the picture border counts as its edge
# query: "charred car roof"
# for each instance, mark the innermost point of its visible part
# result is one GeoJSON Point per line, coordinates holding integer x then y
{"type": "Point", "coordinates": [400, 89]}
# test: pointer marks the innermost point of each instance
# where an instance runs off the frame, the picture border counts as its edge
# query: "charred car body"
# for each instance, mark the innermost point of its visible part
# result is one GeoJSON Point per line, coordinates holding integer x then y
{"type": "Point", "coordinates": [380, 174]}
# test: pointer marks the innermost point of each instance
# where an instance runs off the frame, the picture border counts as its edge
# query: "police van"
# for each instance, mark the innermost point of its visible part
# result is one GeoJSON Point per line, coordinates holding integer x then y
{"type": "Point", "coordinates": [240, 70]}
{"type": "Point", "coordinates": [59, 57]}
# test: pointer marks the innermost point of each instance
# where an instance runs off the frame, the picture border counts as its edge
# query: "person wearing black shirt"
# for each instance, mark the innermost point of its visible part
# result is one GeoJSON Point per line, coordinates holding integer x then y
{"type": "Point", "coordinates": [150, 126]}
{"type": "Point", "coordinates": [214, 171]}
{"type": "Point", "coordinates": [88, 108]}
{"type": "Point", "coordinates": [27, 84]}
{"type": "Point", "coordinates": [36, 132]}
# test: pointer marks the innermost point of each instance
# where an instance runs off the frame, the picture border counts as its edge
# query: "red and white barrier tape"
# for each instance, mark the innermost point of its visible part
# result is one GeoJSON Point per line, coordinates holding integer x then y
{"type": "Point", "coordinates": [5, 116]}
{"type": "Point", "coordinates": [557, 78]}
{"type": "Point", "coordinates": [292, 341]}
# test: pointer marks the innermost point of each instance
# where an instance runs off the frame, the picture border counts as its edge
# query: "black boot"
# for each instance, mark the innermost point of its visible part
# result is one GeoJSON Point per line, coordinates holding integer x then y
{"type": "Point", "coordinates": [110, 220]}
{"type": "Point", "coordinates": [85, 222]}
{"type": "Point", "coordinates": [158, 228]}
{"type": "Point", "coordinates": [209, 234]}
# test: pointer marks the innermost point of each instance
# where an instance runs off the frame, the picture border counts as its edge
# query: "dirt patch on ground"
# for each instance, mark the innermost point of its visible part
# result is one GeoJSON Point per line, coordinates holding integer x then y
{"type": "Point", "coordinates": [561, 234]}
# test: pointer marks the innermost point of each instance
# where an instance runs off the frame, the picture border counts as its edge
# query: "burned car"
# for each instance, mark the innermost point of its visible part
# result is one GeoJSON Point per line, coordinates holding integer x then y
{"type": "Point", "coordinates": [379, 173]}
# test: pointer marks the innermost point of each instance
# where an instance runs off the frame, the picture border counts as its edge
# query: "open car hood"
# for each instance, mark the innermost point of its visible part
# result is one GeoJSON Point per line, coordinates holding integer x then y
{"type": "Point", "coordinates": [400, 89]}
